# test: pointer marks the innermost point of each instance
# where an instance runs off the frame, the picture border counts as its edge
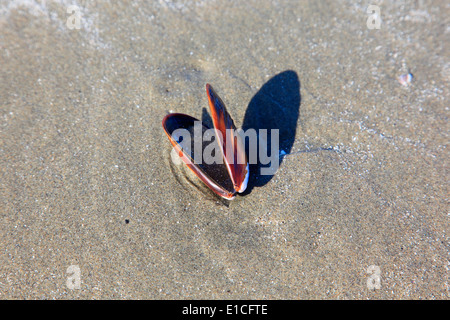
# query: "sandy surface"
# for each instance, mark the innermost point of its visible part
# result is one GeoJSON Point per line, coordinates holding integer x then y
{"type": "Point", "coordinates": [358, 210]}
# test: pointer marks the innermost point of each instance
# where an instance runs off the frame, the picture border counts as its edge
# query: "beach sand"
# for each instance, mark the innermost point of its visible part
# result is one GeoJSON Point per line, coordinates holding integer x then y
{"type": "Point", "coordinates": [92, 206]}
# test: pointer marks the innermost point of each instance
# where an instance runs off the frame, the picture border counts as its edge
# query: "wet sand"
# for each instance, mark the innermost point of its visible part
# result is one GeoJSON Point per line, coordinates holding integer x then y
{"type": "Point", "coordinates": [357, 210]}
